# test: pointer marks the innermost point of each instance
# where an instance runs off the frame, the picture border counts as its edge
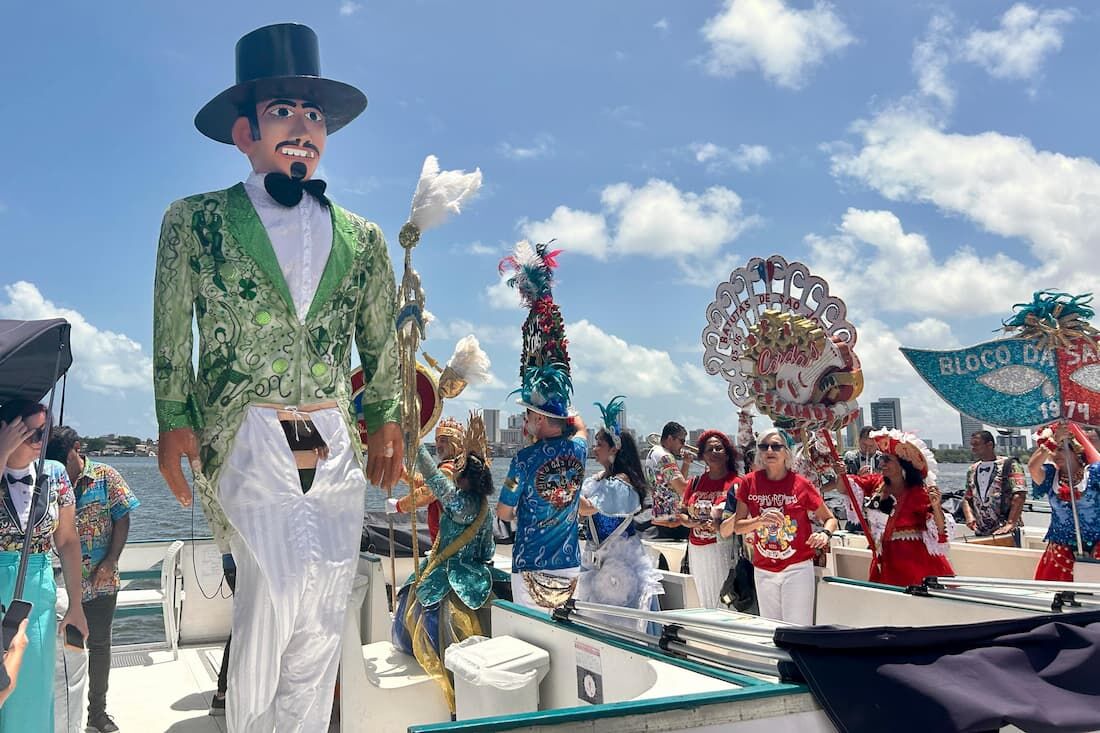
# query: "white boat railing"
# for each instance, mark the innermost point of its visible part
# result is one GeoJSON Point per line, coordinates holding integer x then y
{"type": "Point", "coordinates": [1029, 594]}
{"type": "Point", "coordinates": [766, 628]}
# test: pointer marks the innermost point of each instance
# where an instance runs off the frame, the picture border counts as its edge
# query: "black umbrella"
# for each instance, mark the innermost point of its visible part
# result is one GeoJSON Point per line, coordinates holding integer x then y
{"type": "Point", "coordinates": [33, 356]}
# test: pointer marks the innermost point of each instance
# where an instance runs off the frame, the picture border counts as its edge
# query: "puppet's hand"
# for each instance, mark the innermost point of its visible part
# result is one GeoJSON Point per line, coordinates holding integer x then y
{"type": "Point", "coordinates": [174, 445]}
{"type": "Point", "coordinates": [385, 453]}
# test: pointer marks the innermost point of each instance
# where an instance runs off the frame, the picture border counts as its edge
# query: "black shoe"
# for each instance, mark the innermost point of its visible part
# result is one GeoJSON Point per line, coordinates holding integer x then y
{"type": "Point", "coordinates": [101, 723]}
{"type": "Point", "coordinates": [217, 705]}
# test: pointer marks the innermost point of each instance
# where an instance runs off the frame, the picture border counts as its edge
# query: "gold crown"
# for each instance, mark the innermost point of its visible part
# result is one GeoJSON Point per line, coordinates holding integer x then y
{"type": "Point", "coordinates": [448, 427]}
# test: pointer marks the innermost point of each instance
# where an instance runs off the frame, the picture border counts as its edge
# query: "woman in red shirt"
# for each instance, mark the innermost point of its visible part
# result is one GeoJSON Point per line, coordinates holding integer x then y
{"type": "Point", "coordinates": [910, 529]}
{"type": "Point", "coordinates": [704, 499]}
{"type": "Point", "coordinates": [773, 508]}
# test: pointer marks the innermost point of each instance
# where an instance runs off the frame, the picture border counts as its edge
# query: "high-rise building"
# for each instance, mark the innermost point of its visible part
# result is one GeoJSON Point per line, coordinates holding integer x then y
{"type": "Point", "coordinates": [515, 422]}
{"type": "Point", "coordinates": [511, 436]}
{"type": "Point", "coordinates": [886, 413]}
{"type": "Point", "coordinates": [969, 426]}
{"type": "Point", "coordinates": [1014, 442]}
{"type": "Point", "coordinates": [492, 425]}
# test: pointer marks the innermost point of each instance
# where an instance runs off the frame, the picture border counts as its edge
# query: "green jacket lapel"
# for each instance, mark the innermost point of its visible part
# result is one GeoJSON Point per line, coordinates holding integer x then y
{"type": "Point", "coordinates": [340, 258]}
{"type": "Point", "coordinates": [246, 227]}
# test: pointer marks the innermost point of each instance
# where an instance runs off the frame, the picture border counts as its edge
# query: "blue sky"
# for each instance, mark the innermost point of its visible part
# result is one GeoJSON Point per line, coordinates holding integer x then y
{"type": "Point", "coordinates": [935, 162]}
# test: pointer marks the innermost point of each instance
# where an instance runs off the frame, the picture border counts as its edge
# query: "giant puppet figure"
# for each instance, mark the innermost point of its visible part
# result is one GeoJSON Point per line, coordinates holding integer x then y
{"type": "Point", "coordinates": [278, 279]}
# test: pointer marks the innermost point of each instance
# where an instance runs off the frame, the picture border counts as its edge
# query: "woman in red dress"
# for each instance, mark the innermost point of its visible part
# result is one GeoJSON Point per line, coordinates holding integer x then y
{"type": "Point", "coordinates": [902, 508]}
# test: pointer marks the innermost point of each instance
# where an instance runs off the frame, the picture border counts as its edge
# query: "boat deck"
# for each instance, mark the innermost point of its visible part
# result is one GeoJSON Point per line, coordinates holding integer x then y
{"type": "Point", "coordinates": [152, 692]}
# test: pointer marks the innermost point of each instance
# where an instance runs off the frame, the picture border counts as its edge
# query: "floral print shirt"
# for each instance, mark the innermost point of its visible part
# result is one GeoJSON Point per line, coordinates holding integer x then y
{"type": "Point", "coordinates": [103, 498]}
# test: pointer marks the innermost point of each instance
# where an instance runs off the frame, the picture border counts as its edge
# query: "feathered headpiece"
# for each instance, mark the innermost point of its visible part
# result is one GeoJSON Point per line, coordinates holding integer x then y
{"type": "Point", "coordinates": [544, 368]}
{"type": "Point", "coordinates": [908, 446]}
{"type": "Point", "coordinates": [1053, 318]}
{"type": "Point", "coordinates": [611, 419]}
{"type": "Point", "coordinates": [546, 390]}
{"type": "Point", "coordinates": [532, 270]}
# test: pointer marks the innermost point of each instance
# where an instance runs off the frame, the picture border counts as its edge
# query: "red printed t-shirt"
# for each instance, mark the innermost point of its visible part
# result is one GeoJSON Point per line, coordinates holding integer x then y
{"type": "Point", "coordinates": [777, 548]}
{"type": "Point", "coordinates": [701, 495]}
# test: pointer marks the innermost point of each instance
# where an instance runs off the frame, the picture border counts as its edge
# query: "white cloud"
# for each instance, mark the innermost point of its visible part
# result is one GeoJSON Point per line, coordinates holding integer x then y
{"type": "Point", "coordinates": [931, 55]}
{"type": "Point", "coordinates": [605, 360]}
{"type": "Point", "coordinates": [103, 361]}
{"type": "Point", "coordinates": [887, 374]}
{"type": "Point", "coordinates": [478, 248]}
{"type": "Point", "coordinates": [878, 267]}
{"type": "Point", "coordinates": [1016, 50]}
{"type": "Point", "coordinates": [662, 25]}
{"type": "Point", "coordinates": [654, 220]}
{"type": "Point", "coordinates": [347, 7]}
{"type": "Point", "coordinates": [624, 114]}
{"type": "Point", "coordinates": [541, 147]}
{"type": "Point", "coordinates": [1001, 183]}
{"type": "Point", "coordinates": [718, 159]}
{"type": "Point", "coordinates": [501, 296]}
{"type": "Point", "coordinates": [784, 43]}
{"type": "Point", "coordinates": [582, 232]}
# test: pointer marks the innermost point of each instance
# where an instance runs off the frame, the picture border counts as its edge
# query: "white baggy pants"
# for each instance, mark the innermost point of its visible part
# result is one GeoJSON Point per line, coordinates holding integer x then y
{"type": "Point", "coordinates": [70, 679]}
{"type": "Point", "coordinates": [296, 556]}
{"type": "Point", "coordinates": [787, 595]}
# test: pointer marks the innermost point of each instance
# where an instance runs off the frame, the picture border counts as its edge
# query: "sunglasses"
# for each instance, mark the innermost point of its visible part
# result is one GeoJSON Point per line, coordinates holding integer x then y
{"type": "Point", "coordinates": [715, 449]}
{"type": "Point", "coordinates": [771, 446]}
{"type": "Point", "coordinates": [36, 436]}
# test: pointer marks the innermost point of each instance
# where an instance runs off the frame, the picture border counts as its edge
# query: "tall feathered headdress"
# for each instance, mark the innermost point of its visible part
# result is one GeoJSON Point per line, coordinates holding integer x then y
{"type": "Point", "coordinates": [544, 368]}
{"type": "Point", "coordinates": [612, 415]}
{"type": "Point", "coordinates": [1053, 318]}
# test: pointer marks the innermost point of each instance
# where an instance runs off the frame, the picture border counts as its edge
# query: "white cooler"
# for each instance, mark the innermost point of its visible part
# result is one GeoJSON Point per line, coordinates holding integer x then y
{"type": "Point", "coordinates": [498, 676]}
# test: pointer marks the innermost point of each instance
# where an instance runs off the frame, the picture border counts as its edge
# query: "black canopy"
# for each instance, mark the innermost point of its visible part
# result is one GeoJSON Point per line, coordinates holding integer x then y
{"type": "Point", "coordinates": [29, 351]}
{"type": "Point", "coordinates": [1040, 673]}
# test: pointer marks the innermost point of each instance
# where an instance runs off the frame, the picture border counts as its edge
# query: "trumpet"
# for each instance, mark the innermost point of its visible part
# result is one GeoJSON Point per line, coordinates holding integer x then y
{"type": "Point", "coordinates": [688, 451]}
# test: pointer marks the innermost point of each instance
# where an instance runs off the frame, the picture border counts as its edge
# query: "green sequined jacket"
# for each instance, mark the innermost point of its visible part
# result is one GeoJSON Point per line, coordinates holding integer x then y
{"type": "Point", "coordinates": [216, 266]}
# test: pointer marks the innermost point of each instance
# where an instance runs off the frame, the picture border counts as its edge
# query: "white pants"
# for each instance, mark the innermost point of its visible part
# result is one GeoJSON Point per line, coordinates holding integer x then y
{"type": "Point", "coordinates": [710, 564]}
{"type": "Point", "coordinates": [787, 595]}
{"type": "Point", "coordinates": [70, 679]}
{"type": "Point", "coordinates": [522, 595]}
{"type": "Point", "coordinates": [296, 556]}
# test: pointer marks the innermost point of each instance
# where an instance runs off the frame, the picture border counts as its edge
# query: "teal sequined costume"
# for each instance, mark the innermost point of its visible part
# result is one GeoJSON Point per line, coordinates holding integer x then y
{"type": "Point", "coordinates": [439, 609]}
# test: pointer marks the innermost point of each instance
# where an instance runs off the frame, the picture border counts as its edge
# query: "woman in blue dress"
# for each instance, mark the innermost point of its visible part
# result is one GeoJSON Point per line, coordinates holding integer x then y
{"type": "Point", "coordinates": [615, 569]}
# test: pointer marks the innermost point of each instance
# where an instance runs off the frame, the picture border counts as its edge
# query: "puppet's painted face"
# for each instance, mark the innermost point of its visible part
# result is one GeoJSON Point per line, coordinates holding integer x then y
{"type": "Point", "coordinates": [291, 131]}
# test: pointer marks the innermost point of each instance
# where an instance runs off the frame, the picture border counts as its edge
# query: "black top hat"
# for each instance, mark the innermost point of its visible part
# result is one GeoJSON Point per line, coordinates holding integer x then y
{"type": "Point", "coordinates": [279, 61]}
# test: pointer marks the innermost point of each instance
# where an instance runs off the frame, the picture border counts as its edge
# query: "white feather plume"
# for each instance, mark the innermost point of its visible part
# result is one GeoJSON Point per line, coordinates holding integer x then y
{"type": "Point", "coordinates": [441, 193]}
{"type": "Point", "coordinates": [470, 362]}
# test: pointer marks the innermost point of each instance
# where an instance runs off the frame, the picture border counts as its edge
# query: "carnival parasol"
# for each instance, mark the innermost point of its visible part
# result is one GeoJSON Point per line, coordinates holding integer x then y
{"type": "Point", "coordinates": [784, 345]}
{"type": "Point", "coordinates": [34, 355]}
{"type": "Point", "coordinates": [1046, 369]}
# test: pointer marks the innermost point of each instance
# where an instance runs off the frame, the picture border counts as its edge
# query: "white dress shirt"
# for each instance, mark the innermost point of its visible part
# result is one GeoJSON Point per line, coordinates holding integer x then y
{"type": "Point", "coordinates": [20, 492]}
{"type": "Point", "coordinates": [301, 237]}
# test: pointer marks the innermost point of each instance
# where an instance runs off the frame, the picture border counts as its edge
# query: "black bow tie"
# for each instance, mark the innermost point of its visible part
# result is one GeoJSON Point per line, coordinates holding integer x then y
{"type": "Point", "coordinates": [21, 480]}
{"type": "Point", "coordinates": [288, 191]}
{"type": "Point", "coordinates": [985, 469]}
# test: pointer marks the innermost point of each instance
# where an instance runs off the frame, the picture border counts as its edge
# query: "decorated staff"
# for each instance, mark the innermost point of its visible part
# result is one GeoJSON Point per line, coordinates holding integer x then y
{"type": "Point", "coordinates": [1047, 369]}
{"type": "Point", "coordinates": [783, 343]}
{"type": "Point", "coordinates": [438, 195]}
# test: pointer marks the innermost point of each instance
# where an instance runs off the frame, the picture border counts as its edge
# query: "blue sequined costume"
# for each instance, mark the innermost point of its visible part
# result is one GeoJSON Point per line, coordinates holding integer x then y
{"type": "Point", "coordinates": [1061, 530]}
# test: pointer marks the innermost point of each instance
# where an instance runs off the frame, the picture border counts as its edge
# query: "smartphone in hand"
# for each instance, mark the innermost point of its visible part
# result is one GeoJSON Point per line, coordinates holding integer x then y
{"type": "Point", "coordinates": [17, 611]}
